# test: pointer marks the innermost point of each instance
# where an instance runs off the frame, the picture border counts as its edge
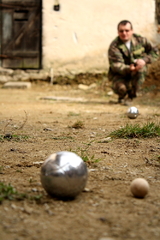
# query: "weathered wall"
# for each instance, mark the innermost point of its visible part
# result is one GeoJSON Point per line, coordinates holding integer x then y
{"type": "Point", "coordinates": [76, 38]}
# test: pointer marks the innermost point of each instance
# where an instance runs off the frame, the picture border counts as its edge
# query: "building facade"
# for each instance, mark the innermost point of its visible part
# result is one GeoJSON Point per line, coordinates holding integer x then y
{"type": "Point", "coordinates": [69, 36]}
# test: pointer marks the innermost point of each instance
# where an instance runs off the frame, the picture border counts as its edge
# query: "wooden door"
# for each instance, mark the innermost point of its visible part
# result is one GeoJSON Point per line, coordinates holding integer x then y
{"type": "Point", "coordinates": [21, 34]}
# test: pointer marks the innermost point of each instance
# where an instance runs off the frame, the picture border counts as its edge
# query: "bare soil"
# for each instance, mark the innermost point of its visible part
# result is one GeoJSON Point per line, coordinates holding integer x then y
{"type": "Point", "coordinates": [106, 209]}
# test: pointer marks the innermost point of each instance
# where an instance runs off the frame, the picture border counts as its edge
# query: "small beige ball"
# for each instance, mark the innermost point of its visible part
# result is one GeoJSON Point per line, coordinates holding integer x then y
{"type": "Point", "coordinates": [139, 187]}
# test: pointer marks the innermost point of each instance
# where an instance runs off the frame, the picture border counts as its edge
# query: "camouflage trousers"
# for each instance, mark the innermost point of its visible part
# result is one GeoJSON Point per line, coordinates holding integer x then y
{"type": "Point", "coordinates": [128, 84]}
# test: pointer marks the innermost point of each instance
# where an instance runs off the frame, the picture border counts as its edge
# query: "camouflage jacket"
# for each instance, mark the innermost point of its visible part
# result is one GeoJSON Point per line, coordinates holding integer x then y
{"type": "Point", "coordinates": [120, 57]}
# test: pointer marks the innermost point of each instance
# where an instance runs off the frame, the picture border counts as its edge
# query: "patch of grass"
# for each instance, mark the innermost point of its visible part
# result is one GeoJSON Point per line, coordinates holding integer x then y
{"type": "Point", "coordinates": [157, 158]}
{"type": "Point", "coordinates": [1, 169]}
{"type": "Point", "coordinates": [78, 124]}
{"type": "Point", "coordinates": [84, 154]}
{"type": "Point", "coordinates": [19, 170]}
{"type": "Point", "coordinates": [20, 137]}
{"type": "Point", "coordinates": [148, 130]}
{"type": "Point", "coordinates": [7, 191]}
{"type": "Point", "coordinates": [36, 197]}
{"type": "Point", "coordinates": [73, 114]}
{"type": "Point", "coordinates": [1, 138]}
{"type": "Point", "coordinates": [149, 88]}
{"type": "Point", "coordinates": [13, 137]}
{"type": "Point", "coordinates": [156, 115]}
{"type": "Point", "coordinates": [155, 161]}
{"type": "Point", "coordinates": [87, 158]}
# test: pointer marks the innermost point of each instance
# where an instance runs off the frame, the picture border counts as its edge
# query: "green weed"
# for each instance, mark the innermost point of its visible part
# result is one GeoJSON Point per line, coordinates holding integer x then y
{"type": "Point", "coordinates": [78, 124]}
{"type": "Point", "coordinates": [86, 158]}
{"type": "Point", "coordinates": [148, 130]}
{"type": "Point", "coordinates": [158, 158]}
{"type": "Point", "coordinates": [1, 169]}
{"type": "Point", "coordinates": [84, 154]}
{"type": "Point", "coordinates": [20, 137]}
{"type": "Point", "coordinates": [14, 137]}
{"type": "Point", "coordinates": [19, 170]}
{"type": "Point", "coordinates": [7, 191]}
{"type": "Point", "coordinates": [73, 114]}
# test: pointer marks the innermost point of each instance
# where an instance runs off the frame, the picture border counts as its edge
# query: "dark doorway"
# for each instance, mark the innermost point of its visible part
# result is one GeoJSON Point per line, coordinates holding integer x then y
{"type": "Point", "coordinates": [21, 34]}
{"type": "Point", "coordinates": [158, 11]}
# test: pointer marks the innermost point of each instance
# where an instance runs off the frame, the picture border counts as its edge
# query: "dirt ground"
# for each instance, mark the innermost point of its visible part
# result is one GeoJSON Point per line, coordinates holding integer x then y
{"type": "Point", "coordinates": [106, 209]}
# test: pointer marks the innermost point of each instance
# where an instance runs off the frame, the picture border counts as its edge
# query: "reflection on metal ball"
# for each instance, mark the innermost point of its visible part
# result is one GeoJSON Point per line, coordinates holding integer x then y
{"type": "Point", "coordinates": [132, 112]}
{"type": "Point", "coordinates": [64, 174]}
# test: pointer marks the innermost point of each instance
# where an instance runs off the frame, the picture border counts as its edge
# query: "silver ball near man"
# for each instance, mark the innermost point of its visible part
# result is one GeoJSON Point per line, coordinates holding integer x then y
{"type": "Point", "coordinates": [64, 174]}
{"type": "Point", "coordinates": [132, 113]}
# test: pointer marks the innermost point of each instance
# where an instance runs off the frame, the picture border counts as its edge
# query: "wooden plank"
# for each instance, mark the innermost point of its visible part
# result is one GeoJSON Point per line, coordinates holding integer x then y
{"type": "Point", "coordinates": [20, 3]}
{"type": "Point", "coordinates": [12, 63]}
{"type": "Point", "coordinates": [21, 63]}
{"type": "Point", "coordinates": [21, 34]}
{"type": "Point", "coordinates": [20, 54]}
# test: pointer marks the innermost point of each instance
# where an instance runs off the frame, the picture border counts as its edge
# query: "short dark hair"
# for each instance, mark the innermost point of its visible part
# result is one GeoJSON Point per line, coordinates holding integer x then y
{"type": "Point", "coordinates": [124, 22]}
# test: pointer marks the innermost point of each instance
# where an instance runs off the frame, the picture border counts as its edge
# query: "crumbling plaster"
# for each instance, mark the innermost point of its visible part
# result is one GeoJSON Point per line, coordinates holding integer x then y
{"type": "Point", "coordinates": [76, 38]}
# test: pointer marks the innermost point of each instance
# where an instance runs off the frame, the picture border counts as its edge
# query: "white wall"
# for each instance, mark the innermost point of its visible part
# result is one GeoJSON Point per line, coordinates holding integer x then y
{"type": "Point", "coordinates": [76, 38]}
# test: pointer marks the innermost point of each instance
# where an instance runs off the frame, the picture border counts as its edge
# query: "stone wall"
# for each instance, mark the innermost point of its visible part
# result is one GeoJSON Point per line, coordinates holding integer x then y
{"type": "Point", "coordinates": [39, 76]}
{"type": "Point", "coordinates": [10, 75]}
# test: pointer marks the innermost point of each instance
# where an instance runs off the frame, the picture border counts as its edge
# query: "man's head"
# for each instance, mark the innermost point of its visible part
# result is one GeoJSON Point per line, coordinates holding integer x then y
{"type": "Point", "coordinates": [125, 30]}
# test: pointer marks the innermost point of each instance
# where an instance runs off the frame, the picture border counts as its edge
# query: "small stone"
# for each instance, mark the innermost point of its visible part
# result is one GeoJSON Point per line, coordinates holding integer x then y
{"type": "Point", "coordinates": [38, 163]}
{"type": "Point", "coordinates": [5, 79]}
{"type": "Point", "coordinates": [6, 72]}
{"type": "Point", "coordinates": [8, 136]}
{"type": "Point", "coordinates": [17, 85]}
{"type": "Point", "coordinates": [86, 190]}
{"type": "Point", "coordinates": [27, 209]}
{"type": "Point", "coordinates": [110, 93]}
{"type": "Point", "coordinates": [48, 129]}
{"type": "Point", "coordinates": [34, 190]}
{"type": "Point", "coordinates": [6, 209]}
{"type": "Point", "coordinates": [13, 206]}
{"type": "Point", "coordinates": [93, 85]}
{"type": "Point", "coordinates": [83, 87]}
{"type": "Point", "coordinates": [106, 140]}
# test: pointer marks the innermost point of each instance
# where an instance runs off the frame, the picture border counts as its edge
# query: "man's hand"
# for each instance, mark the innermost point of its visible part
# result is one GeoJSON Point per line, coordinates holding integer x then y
{"type": "Point", "coordinates": [140, 63]}
{"type": "Point", "coordinates": [132, 67]}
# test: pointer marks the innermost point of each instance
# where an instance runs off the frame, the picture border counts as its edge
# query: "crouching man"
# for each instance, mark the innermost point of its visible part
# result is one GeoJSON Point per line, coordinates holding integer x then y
{"type": "Point", "coordinates": [129, 54]}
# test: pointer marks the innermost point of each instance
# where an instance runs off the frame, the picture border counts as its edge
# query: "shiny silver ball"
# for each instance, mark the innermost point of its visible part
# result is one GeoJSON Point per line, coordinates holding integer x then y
{"type": "Point", "coordinates": [64, 174]}
{"type": "Point", "coordinates": [132, 112]}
